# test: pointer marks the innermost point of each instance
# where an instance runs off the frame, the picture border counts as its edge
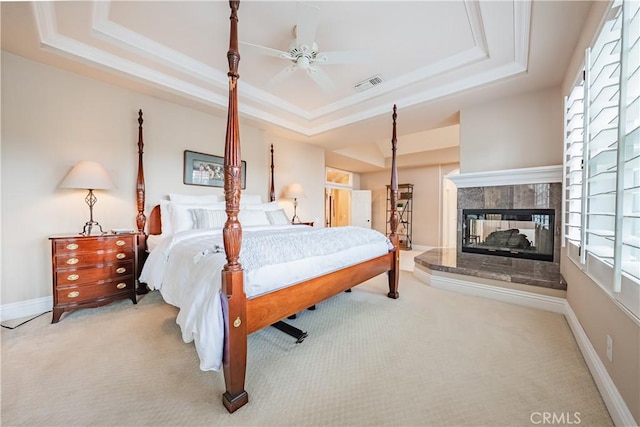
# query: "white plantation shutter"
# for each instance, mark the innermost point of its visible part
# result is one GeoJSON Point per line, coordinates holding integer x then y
{"type": "Point", "coordinates": [574, 119]}
{"type": "Point", "coordinates": [602, 96]}
{"type": "Point", "coordinates": [627, 268]}
{"type": "Point", "coordinates": [602, 170]}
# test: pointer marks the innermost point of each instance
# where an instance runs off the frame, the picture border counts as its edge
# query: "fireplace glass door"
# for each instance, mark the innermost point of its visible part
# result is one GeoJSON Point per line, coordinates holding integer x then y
{"type": "Point", "coordinates": [519, 233]}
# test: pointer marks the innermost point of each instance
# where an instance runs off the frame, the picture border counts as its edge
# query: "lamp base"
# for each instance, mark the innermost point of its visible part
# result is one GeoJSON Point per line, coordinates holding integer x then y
{"type": "Point", "coordinates": [91, 229]}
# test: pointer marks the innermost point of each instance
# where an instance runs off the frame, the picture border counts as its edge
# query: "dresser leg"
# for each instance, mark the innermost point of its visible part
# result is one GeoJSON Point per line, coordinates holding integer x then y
{"type": "Point", "coordinates": [57, 312]}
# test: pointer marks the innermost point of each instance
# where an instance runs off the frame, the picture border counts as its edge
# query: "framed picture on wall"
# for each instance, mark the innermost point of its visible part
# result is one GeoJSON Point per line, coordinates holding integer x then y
{"type": "Point", "coordinates": [207, 169]}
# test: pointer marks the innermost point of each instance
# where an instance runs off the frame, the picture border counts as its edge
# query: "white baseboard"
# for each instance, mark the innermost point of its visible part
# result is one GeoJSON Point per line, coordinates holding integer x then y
{"type": "Point", "coordinates": [618, 409]}
{"type": "Point", "coordinates": [32, 307]}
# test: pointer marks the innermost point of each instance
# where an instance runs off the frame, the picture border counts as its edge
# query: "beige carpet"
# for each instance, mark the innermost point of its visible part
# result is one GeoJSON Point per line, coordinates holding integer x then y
{"type": "Point", "coordinates": [430, 358]}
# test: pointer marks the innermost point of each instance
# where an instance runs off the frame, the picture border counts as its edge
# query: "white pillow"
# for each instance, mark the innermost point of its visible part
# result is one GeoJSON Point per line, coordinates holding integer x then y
{"type": "Point", "coordinates": [181, 218]}
{"type": "Point", "coordinates": [278, 217]}
{"type": "Point", "coordinates": [165, 217]}
{"type": "Point", "coordinates": [250, 198]}
{"type": "Point", "coordinates": [271, 206]}
{"type": "Point", "coordinates": [189, 198]}
{"type": "Point", "coordinates": [253, 217]}
{"type": "Point", "coordinates": [208, 218]}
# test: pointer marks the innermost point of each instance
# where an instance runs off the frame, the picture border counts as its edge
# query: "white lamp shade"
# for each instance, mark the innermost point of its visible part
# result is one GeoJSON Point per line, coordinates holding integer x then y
{"type": "Point", "coordinates": [88, 175]}
{"type": "Point", "coordinates": [295, 191]}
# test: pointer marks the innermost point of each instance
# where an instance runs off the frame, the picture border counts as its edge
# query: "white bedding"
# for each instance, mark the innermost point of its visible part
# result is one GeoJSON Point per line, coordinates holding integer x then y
{"type": "Point", "coordinates": [186, 268]}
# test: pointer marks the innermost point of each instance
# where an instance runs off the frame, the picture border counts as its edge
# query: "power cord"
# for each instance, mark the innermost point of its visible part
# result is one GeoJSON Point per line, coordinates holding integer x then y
{"type": "Point", "coordinates": [28, 320]}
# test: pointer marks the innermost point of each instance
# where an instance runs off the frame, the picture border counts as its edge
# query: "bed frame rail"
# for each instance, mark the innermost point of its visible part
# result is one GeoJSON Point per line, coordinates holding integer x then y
{"type": "Point", "coordinates": [262, 312]}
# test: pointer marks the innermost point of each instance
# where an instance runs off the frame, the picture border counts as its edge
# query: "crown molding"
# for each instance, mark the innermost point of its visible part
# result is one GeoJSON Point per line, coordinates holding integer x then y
{"type": "Point", "coordinates": [138, 44]}
{"type": "Point", "coordinates": [135, 43]}
{"type": "Point", "coordinates": [490, 76]}
{"type": "Point", "coordinates": [522, 31]}
{"type": "Point", "coordinates": [535, 175]}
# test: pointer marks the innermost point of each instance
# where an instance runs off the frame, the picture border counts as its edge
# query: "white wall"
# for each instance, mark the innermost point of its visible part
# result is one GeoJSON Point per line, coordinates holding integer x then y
{"type": "Point", "coordinates": [304, 164]}
{"type": "Point", "coordinates": [427, 200]}
{"type": "Point", "coordinates": [52, 118]}
{"type": "Point", "coordinates": [510, 133]}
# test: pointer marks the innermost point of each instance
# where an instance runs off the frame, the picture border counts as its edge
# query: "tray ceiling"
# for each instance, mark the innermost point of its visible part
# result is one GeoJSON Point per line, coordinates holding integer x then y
{"type": "Point", "coordinates": [434, 58]}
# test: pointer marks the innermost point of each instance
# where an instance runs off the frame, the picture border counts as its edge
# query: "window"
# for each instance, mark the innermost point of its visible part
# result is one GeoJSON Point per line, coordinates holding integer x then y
{"type": "Point", "coordinates": [339, 178]}
{"type": "Point", "coordinates": [602, 159]}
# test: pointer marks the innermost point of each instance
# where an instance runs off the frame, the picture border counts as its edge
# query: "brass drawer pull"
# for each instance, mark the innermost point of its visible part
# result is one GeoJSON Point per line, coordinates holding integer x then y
{"type": "Point", "coordinates": [72, 261]}
{"type": "Point", "coordinates": [73, 277]}
{"type": "Point", "coordinates": [121, 285]}
{"type": "Point", "coordinates": [120, 242]}
{"type": "Point", "coordinates": [74, 294]}
{"type": "Point", "coordinates": [72, 246]}
{"type": "Point", "coordinates": [121, 255]}
{"type": "Point", "coordinates": [121, 270]}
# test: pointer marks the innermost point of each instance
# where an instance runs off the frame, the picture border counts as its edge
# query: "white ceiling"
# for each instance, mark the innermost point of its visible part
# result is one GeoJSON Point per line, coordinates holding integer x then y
{"type": "Point", "coordinates": [435, 57]}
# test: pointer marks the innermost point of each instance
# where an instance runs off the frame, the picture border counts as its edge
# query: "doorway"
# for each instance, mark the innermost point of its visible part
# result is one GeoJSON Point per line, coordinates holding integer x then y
{"type": "Point", "coordinates": [337, 205]}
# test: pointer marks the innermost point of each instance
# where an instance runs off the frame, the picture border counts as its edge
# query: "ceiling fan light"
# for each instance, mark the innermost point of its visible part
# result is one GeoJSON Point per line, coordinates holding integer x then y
{"type": "Point", "coordinates": [303, 62]}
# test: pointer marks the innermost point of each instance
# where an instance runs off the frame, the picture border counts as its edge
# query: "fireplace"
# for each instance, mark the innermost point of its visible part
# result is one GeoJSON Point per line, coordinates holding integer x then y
{"type": "Point", "coordinates": [535, 193]}
{"type": "Point", "coordinates": [516, 233]}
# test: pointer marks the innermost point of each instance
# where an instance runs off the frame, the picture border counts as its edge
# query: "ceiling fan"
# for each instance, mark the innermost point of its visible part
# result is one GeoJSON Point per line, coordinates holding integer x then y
{"type": "Point", "coordinates": [303, 53]}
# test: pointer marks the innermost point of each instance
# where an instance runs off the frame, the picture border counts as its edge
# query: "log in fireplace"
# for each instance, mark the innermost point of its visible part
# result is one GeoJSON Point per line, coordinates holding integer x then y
{"type": "Point", "coordinates": [518, 233]}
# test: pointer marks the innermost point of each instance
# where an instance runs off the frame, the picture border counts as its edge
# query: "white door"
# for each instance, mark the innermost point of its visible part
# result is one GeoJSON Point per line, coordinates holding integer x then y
{"type": "Point", "coordinates": [361, 208]}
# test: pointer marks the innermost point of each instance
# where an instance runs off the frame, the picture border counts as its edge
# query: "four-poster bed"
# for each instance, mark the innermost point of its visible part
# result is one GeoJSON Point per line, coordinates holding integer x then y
{"type": "Point", "coordinates": [244, 310]}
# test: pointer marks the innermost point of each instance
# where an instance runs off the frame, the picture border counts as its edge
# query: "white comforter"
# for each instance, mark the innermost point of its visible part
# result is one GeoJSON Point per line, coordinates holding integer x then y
{"type": "Point", "coordinates": [186, 268]}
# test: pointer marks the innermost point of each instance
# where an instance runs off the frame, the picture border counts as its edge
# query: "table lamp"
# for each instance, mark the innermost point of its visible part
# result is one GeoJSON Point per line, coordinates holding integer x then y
{"type": "Point", "coordinates": [295, 192]}
{"type": "Point", "coordinates": [88, 175]}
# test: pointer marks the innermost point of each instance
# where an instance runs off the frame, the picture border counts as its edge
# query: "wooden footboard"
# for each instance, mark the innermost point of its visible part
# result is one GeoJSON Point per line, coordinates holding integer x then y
{"type": "Point", "coordinates": [244, 316]}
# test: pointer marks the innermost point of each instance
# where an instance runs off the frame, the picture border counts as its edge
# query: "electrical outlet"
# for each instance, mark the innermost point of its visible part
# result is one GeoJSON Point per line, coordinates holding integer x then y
{"type": "Point", "coordinates": [609, 348]}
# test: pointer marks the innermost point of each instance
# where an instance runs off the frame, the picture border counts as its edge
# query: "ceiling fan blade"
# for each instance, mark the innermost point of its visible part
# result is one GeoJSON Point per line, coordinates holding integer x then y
{"type": "Point", "coordinates": [265, 50]}
{"type": "Point", "coordinates": [307, 24]}
{"type": "Point", "coordinates": [281, 76]}
{"type": "Point", "coordinates": [345, 57]}
{"type": "Point", "coordinates": [321, 78]}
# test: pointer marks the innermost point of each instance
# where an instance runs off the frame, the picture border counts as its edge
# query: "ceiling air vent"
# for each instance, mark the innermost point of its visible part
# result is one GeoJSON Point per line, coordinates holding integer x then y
{"type": "Point", "coordinates": [368, 83]}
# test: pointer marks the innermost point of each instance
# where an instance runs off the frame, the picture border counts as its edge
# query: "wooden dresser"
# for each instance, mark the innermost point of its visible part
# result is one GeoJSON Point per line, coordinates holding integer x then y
{"type": "Point", "coordinates": [89, 271]}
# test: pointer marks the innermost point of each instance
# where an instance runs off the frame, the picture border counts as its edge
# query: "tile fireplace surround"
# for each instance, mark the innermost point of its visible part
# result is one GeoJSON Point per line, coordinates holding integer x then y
{"type": "Point", "coordinates": [531, 188]}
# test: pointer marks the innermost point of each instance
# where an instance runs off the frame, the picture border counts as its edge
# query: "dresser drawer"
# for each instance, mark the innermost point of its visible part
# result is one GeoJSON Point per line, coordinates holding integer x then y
{"type": "Point", "coordinates": [82, 259]}
{"type": "Point", "coordinates": [67, 246]}
{"type": "Point", "coordinates": [78, 294]}
{"type": "Point", "coordinates": [76, 276]}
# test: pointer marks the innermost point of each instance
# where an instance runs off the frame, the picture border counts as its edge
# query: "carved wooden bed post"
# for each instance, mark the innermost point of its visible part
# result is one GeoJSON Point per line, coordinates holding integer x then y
{"type": "Point", "coordinates": [272, 189]}
{"type": "Point", "coordinates": [394, 273]}
{"type": "Point", "coordinates": [141, 219]}
{"type": "Point", "coordinates": [233, 297]}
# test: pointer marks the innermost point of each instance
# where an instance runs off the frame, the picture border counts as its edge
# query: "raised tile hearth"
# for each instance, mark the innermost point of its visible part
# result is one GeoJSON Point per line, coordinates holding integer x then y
{"type": "Point", "coordinates": [505, 269]}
